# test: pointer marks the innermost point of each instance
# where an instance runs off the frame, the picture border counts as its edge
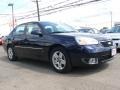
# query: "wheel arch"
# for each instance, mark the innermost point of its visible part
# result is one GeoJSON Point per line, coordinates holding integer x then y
{"type": "Point", "coordinates": [9, 45]}
{"type": "Point", "coordinates": [55, 46]}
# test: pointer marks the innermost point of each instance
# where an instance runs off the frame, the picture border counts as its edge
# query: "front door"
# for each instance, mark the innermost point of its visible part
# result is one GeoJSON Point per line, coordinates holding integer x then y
{"type": "Point", "coordinates": [34, 43]}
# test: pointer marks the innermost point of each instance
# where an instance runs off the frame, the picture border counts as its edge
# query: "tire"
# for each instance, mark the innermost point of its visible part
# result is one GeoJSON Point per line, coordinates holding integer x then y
{"type": "Point", "coordinates": [60, 60]}
{"type": "Point", "coordinates": [118, 50]}
{"type": "Point", "coordinates": [11, 54]}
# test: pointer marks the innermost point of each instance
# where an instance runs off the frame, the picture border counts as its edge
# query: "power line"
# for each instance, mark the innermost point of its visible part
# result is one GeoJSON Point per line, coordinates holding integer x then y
{"type": "Point", "coordinates": [4, 14]}
{"type": "Point", "coordinates": [49, 7]}
{"type": "Point", "coordinates": [70, 6]}
{"type": "Point", "coordinates": [67, 7]}
{"type": "Point", "coordinates": [57, 9]}
{"type": "Point", "coordinates": [44, 9]}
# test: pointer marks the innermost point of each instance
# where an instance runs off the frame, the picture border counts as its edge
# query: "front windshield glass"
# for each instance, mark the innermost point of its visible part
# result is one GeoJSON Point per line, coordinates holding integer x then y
{"type": "Point", "coordinates": [57, 28]}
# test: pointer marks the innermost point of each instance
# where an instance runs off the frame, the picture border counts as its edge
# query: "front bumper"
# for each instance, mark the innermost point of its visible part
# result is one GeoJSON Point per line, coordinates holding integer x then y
{"type": "Point", "coordinates": [83, 54]}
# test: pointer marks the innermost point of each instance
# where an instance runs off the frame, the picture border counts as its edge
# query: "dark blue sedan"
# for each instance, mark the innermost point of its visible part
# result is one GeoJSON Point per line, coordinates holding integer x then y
{"type": "Point", "coordinates": [59, 44]}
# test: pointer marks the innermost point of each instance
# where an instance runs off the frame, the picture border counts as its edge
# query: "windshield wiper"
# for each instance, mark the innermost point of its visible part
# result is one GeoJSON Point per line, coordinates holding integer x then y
{"type": "Point", "coordinates": [58, 32]}
{"type": "Point", "coordinates": [71, 31]}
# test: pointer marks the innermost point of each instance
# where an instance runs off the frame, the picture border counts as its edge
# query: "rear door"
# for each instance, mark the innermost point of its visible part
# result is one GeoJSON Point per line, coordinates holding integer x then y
{"type": "Point", "coordinates": [18, 40]}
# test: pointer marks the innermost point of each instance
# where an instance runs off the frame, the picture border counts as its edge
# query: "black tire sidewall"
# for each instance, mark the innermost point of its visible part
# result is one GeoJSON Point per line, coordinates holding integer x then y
{"type": "Point", "coordinates": [68, 66]}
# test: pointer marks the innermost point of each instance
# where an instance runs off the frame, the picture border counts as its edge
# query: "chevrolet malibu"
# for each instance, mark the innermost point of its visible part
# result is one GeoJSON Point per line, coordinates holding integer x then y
{"type": "Point", "coordinates": [58, 44]}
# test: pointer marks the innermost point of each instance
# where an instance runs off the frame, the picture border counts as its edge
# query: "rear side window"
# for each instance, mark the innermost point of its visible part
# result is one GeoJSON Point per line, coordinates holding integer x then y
{"type": "Point", "coordinates": [20, 30]}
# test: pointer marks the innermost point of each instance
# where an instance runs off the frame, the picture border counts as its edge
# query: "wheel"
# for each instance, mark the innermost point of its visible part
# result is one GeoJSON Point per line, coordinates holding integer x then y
{"type": "Point", "coordinates": [11, 54]}
{"type": "Point", "coordinates": [60, 61]}
{"type": "Point", "coordinates": [118, 50]}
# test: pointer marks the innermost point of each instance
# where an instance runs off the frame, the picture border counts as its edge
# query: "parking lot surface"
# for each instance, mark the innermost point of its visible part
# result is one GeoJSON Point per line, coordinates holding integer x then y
{"type": "Point", "coordinates": [28, 74]}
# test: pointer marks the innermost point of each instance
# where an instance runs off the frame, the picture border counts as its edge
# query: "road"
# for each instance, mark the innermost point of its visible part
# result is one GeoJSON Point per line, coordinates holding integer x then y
{"type": "Point", "coordinates": [35, 75]}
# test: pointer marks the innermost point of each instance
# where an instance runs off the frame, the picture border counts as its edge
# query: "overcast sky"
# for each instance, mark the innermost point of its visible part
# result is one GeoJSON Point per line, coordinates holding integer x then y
{"type": "Point", "coordinates": [95, 15]}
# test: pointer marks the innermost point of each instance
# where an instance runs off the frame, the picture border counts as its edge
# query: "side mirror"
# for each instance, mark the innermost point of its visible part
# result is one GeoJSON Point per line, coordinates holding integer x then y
{"type": "Point", "coordinates": [36, 32]}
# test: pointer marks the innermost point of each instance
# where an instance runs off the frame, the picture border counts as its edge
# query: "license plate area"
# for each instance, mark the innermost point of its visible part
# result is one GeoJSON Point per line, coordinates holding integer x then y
{"type": "Point", "coordinates": [113, 52]}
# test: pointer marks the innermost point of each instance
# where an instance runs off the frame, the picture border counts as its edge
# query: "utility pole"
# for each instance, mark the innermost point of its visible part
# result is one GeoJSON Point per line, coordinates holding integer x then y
{"type": "Point", "coordinates": [111, 18]}
{"type": "Point", "coordinates": [38, 9]}
{"type": "Point", "coordinates": [11, 4]}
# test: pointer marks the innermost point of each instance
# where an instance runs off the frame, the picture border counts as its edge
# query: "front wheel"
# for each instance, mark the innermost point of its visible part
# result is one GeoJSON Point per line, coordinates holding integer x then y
{"type": "Point", "coordinates": [60, 60]}
{"type": "Point", "coordinates": [11, 54]}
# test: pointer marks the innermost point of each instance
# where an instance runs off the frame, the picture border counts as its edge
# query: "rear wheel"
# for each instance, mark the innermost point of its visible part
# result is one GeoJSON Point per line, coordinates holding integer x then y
{"type": "Point", "coordinates": [60, 60]}
{"type": "Point", "coordinates": [11, 54]}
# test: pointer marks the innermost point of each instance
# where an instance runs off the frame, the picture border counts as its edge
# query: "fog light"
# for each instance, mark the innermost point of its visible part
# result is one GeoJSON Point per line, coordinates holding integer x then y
{"type": "Point", "coordinates": [93, 61]}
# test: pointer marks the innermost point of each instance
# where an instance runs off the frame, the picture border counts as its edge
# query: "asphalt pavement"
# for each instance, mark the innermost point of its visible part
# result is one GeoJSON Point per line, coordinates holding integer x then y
{"type": "Point", "coordinates": [28, 74]}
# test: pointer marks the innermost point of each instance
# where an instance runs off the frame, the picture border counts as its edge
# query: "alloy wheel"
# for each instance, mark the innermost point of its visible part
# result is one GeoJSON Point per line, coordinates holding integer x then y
{"type": "Point", "coordinates": [59, 60]}
{"type": "Point", "coordinates": [10, 53]}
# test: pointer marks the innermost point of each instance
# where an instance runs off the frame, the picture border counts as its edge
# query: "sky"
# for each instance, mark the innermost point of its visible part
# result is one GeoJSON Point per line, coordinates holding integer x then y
{"type": "Point", "coordinates": [96, 15]}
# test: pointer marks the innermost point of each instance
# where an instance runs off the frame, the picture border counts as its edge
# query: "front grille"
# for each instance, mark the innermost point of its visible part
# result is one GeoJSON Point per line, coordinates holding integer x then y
{"type": "Point", "coordinates": [106, 43]}
{"type": "Point", "coordinates": [105, 58]}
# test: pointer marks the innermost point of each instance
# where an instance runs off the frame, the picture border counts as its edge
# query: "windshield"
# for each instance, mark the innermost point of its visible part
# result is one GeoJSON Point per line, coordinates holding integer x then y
{"type": "Point", "coordinates": [57, 28]}
{"type": "Point", "coordinates": [115, 29]}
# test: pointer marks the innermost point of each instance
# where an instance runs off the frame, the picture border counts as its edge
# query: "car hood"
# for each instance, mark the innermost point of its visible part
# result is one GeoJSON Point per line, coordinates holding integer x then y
{"type": "Point", "coordinates": [95, 36]}
{"type": "Point", "coordinates": [112, 35]}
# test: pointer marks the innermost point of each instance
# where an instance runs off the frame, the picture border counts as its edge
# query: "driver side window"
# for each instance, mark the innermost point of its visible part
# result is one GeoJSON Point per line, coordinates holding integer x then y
{"type": "Point", "coordinates": [32, 27]}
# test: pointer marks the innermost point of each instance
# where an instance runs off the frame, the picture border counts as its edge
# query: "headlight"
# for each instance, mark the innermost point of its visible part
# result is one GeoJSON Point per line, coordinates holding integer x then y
{"type": "Point", "coordinates": [86, 41]}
